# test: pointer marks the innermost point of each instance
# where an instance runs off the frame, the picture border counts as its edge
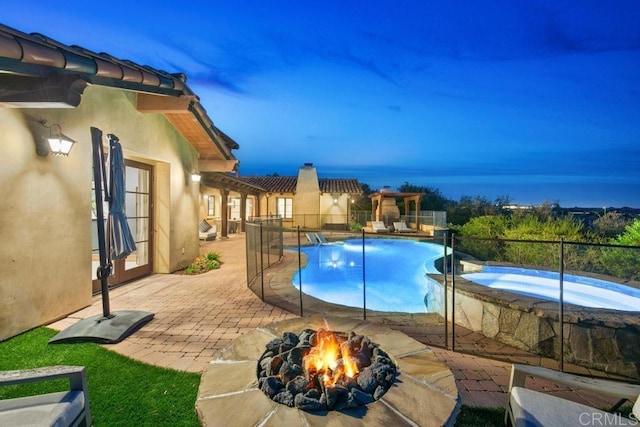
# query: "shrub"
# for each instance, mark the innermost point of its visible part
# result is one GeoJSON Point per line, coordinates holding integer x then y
{"type": "Point", "coordinates": [202, 264]}
{"type": "Point", "coordinates": [623, 262]}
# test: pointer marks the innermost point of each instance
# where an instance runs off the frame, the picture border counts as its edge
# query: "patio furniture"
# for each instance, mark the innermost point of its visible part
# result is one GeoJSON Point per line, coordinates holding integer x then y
{"type": "Point", "coordinates": [312, 238]}
{"type": "Point", "coordinates": [64, 408]}
{"type": "Point", "coordinates": [379, 227]}
{"type": "Point", "coordinates": [401, 227]}
{"type": "Point", "coordinates": [527, 407]}
{"type": "Point", "coordinates": [207, 231]}
{"type": "Point", "coordinates": [321, 239]}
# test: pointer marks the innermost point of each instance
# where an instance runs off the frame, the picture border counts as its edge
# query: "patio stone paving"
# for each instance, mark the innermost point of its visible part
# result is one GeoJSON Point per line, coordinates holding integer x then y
{"type": "Point", "coordinates": [424, 393]}
{"type": "Point", "coordinates": [197, 317]}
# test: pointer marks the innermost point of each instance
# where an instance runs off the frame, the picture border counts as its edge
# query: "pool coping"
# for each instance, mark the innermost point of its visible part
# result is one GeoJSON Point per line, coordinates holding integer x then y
{"type": "Point", "coordinates": [547, 308]}
{"type": "Point", "coordinates": [280, 287]}
{"type": "Point", "coordinates": [485, 310]}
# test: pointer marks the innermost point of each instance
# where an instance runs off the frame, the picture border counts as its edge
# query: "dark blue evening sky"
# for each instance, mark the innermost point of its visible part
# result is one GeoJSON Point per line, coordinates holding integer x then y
{"type": "Point", "coordinates": [538, 100]}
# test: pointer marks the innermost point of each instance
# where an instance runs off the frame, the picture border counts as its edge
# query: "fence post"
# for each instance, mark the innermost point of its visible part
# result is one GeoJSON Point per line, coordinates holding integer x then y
{"type": "Point", "coordinates": [300, 271]}
{"type": "Point", "coordinates": [261, 264]}
{"type": "Point", "coordinates": [453, 292]}
{"type": "Point", "coordinates": [561, 305]}
{"type": "Point", "coordinates": [446, 300]}
{"type": "Point", "coordinates": [364, 283]}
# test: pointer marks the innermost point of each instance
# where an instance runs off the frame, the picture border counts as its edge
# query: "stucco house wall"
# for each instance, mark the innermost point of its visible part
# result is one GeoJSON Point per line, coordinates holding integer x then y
{"type": "Point", "coordinates": [306, 204]}
{"type": "Point", "coordinates": [334, 208]}
{"type": "Point", "coordinates": [45, 214]}
{"type": "Point", "coordinates": [317, 203]}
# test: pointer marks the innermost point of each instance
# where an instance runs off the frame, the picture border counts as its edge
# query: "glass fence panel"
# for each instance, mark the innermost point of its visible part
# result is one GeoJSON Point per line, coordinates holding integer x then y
{"type": "Point", "coordinates": [567, 304]}
{"type": "Point", "coordinates": [514, 300]}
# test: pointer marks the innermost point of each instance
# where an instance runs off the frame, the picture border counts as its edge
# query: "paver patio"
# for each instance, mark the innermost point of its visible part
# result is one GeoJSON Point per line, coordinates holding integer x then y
{"type": "Point", "coordinates": [198, 316]}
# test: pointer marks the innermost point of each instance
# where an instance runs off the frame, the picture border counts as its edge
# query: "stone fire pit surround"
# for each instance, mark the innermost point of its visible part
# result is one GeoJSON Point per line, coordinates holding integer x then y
{"type": "Point", "coordinates": [424, 393]}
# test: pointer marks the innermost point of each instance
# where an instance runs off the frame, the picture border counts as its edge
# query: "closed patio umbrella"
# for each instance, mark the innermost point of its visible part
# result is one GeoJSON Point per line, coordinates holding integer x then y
{"type": "Point", "coordinates": [121, 242]}
{"type": "Point", "coordinates": [117, 243]}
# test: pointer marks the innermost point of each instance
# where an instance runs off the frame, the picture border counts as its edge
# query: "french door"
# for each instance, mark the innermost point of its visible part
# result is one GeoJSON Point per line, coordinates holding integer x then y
{"type": "Point", "coordinates": [139, 211]}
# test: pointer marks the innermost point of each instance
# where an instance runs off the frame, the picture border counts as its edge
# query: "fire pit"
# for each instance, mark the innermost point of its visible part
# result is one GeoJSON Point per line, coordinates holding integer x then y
{"type": "Point", "coordinates": [416, 388]}
{"type": "Point", "coordinates": [324, 370]}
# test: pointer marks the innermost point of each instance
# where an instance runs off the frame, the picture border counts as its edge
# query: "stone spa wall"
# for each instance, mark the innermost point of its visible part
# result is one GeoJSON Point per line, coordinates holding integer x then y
{"type": "Point", "coordinates": [599, 339]}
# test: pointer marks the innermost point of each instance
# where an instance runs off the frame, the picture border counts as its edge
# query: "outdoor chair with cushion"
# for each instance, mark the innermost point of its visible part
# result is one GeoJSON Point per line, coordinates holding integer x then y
{"type": "Point", "coordinates": [64, 408]}
{"type": "Point", "coordinates": [379, 227]}
{"type": "Point", "coordinates": [312, 238]}
{"type": "Point", "coordinates": [401, 227]}
{"type": "Point", "coordinates": [207, 231]}
{"type": "Point", "coordinates": [323, 240]}
{"type": "Point", "coordinates": [527, 407]}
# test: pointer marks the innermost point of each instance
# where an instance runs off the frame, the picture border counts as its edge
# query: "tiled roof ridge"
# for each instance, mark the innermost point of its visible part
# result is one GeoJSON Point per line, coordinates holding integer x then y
{"type": "Point", "coordinates": [287, 184]}
{"type": "Point", "coordinates": [38, 49]}
{"type": "Point", "coordinates": [38, 55]}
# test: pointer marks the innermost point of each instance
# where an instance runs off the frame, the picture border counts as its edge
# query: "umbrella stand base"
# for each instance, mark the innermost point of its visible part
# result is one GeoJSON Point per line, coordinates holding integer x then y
{"type": "Point", "coordinates": [104, 330]}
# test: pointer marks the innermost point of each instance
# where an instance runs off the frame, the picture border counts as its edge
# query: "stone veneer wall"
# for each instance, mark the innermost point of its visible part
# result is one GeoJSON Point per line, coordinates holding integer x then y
{"type": "Point", "coordinates": [604, 340]}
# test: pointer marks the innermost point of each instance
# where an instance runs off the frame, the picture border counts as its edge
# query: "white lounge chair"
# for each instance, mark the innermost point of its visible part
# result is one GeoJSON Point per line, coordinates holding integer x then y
{"type": "Point", "coordinates": [321, 238]}
{"type": "Point", "coordinates": [379, 227]}
{"type": "Point", "coordinates": [312, 238]}
{"type": "Point", "coordinates": [401, 227]}
{"type": "Point", "coordinates": [64, 408]}
{"type": "Point", "coordinates": [532, 408]}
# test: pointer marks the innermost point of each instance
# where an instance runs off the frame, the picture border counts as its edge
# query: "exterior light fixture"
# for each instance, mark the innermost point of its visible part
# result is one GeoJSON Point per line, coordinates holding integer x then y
{"type": "Point", "coordinates": [59, 144]}
{"type": "Point", "coordinates": [195, 177]}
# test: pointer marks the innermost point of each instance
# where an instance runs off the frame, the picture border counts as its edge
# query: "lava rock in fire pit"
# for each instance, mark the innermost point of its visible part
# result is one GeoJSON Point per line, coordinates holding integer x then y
{"type": "Point", "coordinates": [324, 370]}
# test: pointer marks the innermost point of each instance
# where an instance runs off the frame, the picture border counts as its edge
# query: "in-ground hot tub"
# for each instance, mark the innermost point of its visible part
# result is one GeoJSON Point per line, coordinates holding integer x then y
{"type": "Point", "coordinates": [578, 290]}
{"type": "Point", "coordinates": [603, 339]}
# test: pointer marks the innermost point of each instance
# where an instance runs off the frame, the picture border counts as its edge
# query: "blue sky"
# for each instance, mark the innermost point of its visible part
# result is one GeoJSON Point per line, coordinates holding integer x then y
{"type": "Point", "coordinates": [535, 100]}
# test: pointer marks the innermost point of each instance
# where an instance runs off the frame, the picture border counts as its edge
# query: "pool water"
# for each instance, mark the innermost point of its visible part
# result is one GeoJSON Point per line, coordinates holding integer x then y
{"type": "Point", "coordinates": [395, 273]}
{"type": "Point", "coordinates": [579, 290]}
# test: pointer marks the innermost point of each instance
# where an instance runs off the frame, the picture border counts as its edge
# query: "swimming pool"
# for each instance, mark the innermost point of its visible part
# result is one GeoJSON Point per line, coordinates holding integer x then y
{"type": "Point", "coordinates": [395, 273]}
{"type": "Point", "coordinates": [579, 290]}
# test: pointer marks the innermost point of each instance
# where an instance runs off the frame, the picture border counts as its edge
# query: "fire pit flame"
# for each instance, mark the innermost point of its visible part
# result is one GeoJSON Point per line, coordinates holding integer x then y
{"type": "Point", "coordinates": [331, 358]}
{"type": "Point", "coordinates": [320, 370]}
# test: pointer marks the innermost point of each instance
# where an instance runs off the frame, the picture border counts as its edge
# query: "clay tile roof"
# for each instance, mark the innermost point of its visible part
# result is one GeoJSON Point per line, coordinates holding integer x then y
{"type": "Point", "coordinates": [35, 56]}
{"type": "Point", "coordinates": [273, 184]}
{"type": "Point", "coordinates": [287, 184]}
{"type": "Point", "coordinates": [340, 185]}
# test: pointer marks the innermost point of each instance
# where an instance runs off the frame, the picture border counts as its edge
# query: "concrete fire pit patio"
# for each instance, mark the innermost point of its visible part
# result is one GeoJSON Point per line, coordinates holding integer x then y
{"type": "Point", "coordinates": [424, 393]}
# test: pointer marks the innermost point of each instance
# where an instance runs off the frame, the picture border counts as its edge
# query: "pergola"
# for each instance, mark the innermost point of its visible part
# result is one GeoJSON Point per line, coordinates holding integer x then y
{"type": "Point", "coordinates": [227, 183]}
{"type": "Point", "coordinates": [377, 200]}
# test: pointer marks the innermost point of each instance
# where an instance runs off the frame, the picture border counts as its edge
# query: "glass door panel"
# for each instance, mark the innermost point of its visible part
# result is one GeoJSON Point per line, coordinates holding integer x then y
{"type": "Point", "coordinates": [138, 208]}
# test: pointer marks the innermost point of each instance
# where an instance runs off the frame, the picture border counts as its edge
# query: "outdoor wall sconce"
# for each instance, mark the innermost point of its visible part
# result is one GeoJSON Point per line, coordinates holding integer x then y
{"type": "Point", "coordinates": [195, 177]}
{"type": "Point", "coordinates": [59, 144]}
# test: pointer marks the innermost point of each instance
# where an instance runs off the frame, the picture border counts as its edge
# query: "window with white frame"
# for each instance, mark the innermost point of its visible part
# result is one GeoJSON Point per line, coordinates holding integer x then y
{"type": "Point", "coordinates": [284, 207]}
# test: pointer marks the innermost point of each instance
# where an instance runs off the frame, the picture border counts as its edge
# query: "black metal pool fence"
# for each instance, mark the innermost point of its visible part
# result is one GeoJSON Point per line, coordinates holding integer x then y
{"type": "Point", "coordinates": [463, 316]}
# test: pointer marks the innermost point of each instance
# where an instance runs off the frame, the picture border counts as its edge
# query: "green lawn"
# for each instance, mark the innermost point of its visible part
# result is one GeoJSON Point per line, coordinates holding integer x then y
{"type": "Point", "coordinates": [122, 392]}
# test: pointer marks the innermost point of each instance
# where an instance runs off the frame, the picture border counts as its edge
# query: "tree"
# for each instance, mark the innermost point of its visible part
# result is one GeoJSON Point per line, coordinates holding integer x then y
{"type": "Point", "coordinates": [611, 224]}
{"type": "Point", "coordinates": [433, 200]}
{"type": "Point", "coordinates": [366, 189]}
{"type": "Point", "coordinates": [469, 207]}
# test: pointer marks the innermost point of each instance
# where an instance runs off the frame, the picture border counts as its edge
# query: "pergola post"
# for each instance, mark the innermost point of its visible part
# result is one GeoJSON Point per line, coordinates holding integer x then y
{"type": "Point", "coordinates": [224, 213]}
